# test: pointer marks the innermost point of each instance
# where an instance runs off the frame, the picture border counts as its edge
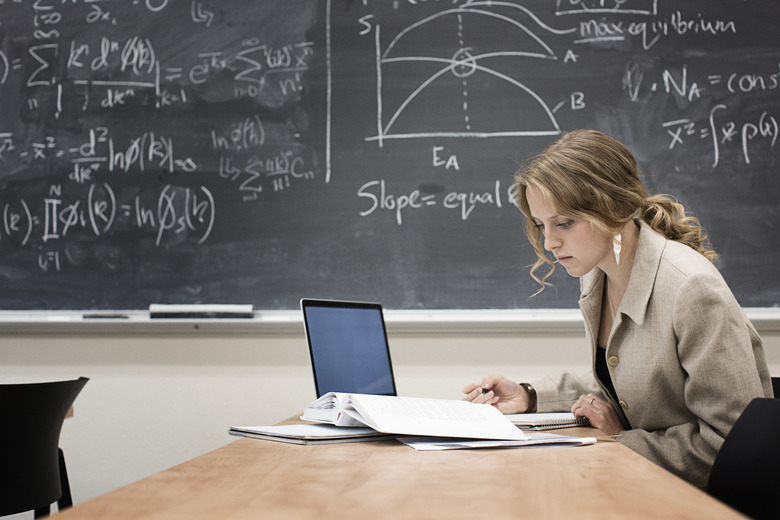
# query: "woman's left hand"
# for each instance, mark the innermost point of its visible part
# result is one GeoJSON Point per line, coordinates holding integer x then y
{"type": "Point", "coordinates": [599, 412]}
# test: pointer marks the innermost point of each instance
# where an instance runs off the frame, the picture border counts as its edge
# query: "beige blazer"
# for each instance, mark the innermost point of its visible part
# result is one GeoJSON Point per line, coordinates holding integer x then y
{"type": "Point", "coordinates": [684, 359]}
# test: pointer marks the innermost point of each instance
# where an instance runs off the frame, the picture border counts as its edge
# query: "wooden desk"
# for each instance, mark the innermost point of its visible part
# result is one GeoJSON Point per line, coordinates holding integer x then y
{"type": "Point", "coordinates": [375, 480]}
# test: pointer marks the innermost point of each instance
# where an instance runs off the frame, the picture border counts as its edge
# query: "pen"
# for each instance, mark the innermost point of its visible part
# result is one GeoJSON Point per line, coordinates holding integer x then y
{"type": "Point", "coordinates": [104, 316]}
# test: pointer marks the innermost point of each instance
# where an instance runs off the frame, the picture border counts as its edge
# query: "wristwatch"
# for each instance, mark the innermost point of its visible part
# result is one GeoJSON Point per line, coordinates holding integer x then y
{"type": "Point", "coordinates": [531, 397]}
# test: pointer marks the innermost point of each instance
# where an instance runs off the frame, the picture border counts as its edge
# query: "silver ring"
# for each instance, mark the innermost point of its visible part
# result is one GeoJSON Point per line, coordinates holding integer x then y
{"type": "Point", "coordinates": [591, 401]}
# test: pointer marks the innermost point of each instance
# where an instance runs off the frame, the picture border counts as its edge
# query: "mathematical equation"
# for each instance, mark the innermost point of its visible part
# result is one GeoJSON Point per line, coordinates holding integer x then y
{"type": "Point", "coordinates": [377, 197]}
{"type": "Point", "coordinates": [88, 66]}
{"type": "Point", "coordinates": [720, 129]}
{"type": "Point", "coordinates": [127, 124]}
{"type": "Point", "coordinates": [173, 214]}
{"type": "Point", "coordinates": [150, 151]}
{"type": "Point", "coordinates": [95, 60]}
{"type": "Point", "coordinates": [765, 128]}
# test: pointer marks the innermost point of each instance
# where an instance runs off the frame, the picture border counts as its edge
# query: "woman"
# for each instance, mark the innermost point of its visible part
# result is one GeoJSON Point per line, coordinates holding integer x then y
{"type": "Point", "coordinates": [675, 359]}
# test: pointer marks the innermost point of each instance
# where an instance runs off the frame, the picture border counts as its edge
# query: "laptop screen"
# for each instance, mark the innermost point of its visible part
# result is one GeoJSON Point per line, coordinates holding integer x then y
{"type": "Point", "coordinates": [348, 347]}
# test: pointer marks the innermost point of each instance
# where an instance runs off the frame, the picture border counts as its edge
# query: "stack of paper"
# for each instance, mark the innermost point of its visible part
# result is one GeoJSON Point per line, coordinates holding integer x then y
{"type": "Point", "coordinates": [534, 439]}
{"type": "Point", "coordinates": [308, 433]}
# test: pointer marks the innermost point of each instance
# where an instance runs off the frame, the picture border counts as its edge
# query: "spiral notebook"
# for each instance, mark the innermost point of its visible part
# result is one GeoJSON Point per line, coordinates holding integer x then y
{"type": "Point", "coordinates": [547, 420]}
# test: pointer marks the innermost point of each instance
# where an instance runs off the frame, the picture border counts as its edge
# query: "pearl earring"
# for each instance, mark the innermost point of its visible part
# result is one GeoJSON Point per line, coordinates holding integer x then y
{"type": "Point", "coordinates": [617, 245]}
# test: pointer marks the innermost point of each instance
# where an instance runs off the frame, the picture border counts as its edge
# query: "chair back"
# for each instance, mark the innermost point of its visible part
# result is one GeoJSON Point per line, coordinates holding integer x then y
{"type": "Point", "coordinates": [31, 417]}
{"type": "Point", "coordinates": [747, 469]}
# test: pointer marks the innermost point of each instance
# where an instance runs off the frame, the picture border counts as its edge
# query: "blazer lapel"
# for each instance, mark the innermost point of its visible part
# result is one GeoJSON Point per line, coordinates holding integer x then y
{"type": "Point", "coordinates": [649, 249]}
{"type": "Point", "coordinates": [591, 294]}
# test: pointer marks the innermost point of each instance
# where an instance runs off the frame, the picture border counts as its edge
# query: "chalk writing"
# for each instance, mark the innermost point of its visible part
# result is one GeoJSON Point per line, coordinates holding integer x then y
{"type": "Point", "coordinates": [176, 210]}
{"type": "Point", "coordinates": [204, 150]}
{"type": "Point", "coordinates": [464, 203]}
{"type": "Point", "coordinates": [101, 97]}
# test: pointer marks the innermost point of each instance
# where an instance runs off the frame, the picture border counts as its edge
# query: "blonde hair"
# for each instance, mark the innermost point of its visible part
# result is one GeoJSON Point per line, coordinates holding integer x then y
{"type": "Point", "coordinates": [588, 176]}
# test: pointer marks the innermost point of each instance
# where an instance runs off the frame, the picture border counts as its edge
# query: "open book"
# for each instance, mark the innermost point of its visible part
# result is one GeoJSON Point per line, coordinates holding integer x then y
{"type": "Point", "coordinates": [413, 416]}
{"type": "Point", "coordinates": [547, 421]}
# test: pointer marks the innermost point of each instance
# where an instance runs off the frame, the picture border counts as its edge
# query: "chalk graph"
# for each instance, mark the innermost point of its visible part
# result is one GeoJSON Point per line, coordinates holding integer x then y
{"type": "Point", "coordinates": [454, 90]}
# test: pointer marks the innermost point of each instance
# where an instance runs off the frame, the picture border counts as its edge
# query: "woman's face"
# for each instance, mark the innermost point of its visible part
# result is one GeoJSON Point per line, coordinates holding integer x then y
{"type": "Point", "coordinates": [578, 246]}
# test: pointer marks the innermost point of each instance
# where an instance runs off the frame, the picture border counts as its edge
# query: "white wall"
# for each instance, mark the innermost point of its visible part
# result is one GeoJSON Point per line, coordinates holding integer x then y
{"type": "Point", "coordinates": [155, 400]}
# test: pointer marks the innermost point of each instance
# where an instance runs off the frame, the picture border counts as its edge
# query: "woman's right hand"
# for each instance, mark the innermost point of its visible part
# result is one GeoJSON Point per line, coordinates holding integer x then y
{"type": "Point", "coordinates": [496, 390]}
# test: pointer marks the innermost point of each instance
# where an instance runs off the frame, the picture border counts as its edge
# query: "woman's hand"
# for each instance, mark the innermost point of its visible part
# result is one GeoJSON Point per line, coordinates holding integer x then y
{"type": "Point", "coordinates": [506, 395]}
{"type": "Point", "coordinates": [599, 412]}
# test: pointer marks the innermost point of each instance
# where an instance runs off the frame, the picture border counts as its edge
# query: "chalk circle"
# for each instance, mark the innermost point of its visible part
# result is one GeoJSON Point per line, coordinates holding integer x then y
{"type": "Point", "coordinates": [463, 63]}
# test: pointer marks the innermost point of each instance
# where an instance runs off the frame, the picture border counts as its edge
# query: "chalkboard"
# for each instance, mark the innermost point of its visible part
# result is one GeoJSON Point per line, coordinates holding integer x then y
{"type": "Point", "coordinates": [238, 151]}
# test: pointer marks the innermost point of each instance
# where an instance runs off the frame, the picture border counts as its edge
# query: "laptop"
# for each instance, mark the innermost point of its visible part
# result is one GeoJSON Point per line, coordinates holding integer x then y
{"type": "Point", "coordinates": [348, 347]}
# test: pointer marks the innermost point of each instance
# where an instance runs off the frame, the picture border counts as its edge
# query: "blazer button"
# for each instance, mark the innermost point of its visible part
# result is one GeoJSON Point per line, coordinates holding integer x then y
{"type": "Point", "coordinates": [612, 361]}
{"type": "Point", "coordinates": [624, 405]}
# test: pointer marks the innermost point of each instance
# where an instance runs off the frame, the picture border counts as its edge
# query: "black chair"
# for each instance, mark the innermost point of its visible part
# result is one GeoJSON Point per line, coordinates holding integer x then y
{"type": "Point", "coordinates": [776, 386]}
{"type": "Point", "coordinates": [32, 471]}
{"type": "Point", "coordinates": [747, 469]}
